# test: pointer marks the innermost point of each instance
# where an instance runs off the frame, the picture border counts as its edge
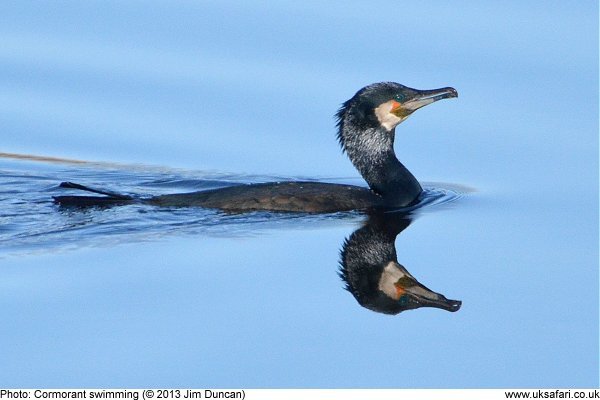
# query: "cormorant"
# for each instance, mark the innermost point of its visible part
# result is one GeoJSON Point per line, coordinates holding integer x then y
{"type": "Point", "coordinates": [366, 128]}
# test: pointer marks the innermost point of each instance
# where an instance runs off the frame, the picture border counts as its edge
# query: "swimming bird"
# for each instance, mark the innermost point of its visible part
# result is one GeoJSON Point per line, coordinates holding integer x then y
{"type": "Point", "coordinates": [366, 126]}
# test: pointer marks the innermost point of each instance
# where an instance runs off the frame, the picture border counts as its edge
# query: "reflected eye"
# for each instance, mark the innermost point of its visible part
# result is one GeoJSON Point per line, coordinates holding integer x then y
{"type": "Point", "coordinates": [399, 97]}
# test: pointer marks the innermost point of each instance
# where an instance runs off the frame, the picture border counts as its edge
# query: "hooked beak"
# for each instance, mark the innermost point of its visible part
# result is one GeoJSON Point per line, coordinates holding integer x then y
{"type": "Point", "coordinates": [421, 296]}
{"type": "Point", "coordinates": [423, 98]}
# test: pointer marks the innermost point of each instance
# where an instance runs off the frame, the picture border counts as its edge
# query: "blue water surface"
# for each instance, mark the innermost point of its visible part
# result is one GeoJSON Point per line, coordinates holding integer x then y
{"type": "Point", "coordinates": [167, 96]}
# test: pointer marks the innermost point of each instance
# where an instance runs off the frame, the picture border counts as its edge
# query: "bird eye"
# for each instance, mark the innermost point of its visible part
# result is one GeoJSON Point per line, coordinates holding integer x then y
{"type": "Point", "coordinates": [399, 97]}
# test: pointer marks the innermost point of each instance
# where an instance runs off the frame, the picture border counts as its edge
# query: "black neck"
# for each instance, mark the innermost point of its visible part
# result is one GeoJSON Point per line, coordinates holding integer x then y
{"type": "Point", "coordinates": [375, 159]}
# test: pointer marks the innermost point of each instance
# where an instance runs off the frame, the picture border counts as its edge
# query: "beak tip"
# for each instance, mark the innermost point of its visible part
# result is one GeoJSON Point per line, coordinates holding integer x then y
{"type": "Point", "coordinates": [455, 305]}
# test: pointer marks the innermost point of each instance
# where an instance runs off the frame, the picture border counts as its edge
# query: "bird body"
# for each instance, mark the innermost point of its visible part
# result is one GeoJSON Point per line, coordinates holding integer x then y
{"type": "Point", "coordinates": [366, 131]}
{"type": "Point", "coordinates": [309, 197]}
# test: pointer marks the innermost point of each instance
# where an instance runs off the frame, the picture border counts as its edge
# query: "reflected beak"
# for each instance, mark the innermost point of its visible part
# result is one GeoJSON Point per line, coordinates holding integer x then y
{"type": "Point", "coordinates": [398, 284]}
{"type": "Point", "coordinates": [421, 296]}
{"type": "Point", "coordinates": [423, 98]}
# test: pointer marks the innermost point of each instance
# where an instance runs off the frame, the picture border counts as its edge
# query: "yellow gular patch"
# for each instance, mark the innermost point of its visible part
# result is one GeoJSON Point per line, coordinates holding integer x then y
{"type": "Point", "coordinates": [388, 114]}
{"type": "Point", "coordinates": [399, 290]}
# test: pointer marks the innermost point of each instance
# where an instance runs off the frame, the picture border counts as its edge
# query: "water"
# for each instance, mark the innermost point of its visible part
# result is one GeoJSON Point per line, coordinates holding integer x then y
{"type": "Point", "coordinates": [184, 96]}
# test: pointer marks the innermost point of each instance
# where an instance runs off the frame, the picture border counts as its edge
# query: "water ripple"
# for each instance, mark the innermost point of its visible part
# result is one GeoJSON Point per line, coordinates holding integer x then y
{"type": "Point", "coordinates": [30, 222]}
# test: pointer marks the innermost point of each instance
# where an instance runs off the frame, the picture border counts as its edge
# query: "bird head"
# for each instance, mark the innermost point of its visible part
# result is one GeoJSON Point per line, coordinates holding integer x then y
{"type": "Point", "coordinates": [383, 106]}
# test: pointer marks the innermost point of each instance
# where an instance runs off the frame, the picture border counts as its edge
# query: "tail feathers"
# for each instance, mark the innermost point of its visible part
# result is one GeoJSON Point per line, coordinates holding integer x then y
{"type": "Point", "coordinates": [90, 201]}
{"type": "Point", "coordinates": [108, 199]}
{"type": "Point", "coordinates": [71, 185]}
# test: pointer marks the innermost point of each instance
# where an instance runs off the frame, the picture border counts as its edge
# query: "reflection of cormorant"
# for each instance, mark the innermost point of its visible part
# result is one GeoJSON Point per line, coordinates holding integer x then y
{"type": "Point", "coordinates": [373, 275]}
{"type": "Point", "coordinates": [366, 129]}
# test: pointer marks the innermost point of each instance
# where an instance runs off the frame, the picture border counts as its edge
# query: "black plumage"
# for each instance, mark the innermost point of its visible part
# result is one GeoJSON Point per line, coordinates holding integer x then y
{"type": "Point", "coordinates": [366, 129]}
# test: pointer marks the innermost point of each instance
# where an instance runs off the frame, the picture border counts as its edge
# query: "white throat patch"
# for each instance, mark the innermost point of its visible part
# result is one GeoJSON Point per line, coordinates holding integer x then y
{"type": "Point", "coordinates": [390, 275]}
{"type": "Point", "coordinates": [388, 120]}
